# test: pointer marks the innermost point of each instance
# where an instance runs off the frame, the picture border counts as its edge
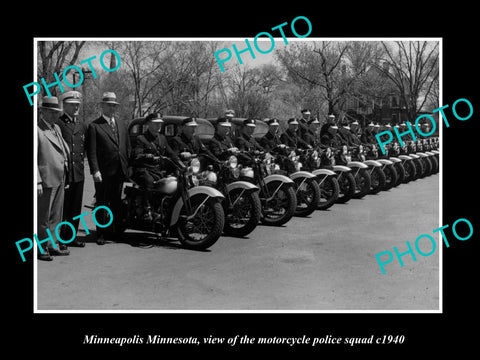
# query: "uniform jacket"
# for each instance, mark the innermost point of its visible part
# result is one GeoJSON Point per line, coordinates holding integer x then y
{"type": "Point", "coordinates": [106, 152]}
{"type": "Point", "coordinates": [181, 143]}
{"type": "Point", "coordinates": [311, 139]}
{"type": "Point", "coordinates": [149, 144]}
{"type": "Point", "coordinates": [247, 143]}
{"type": "Point", "coordinates": [52, 161]}
{"type": "Point", "coordinates": [368, 137]}
{"type": "Point", "coordinates": [219, 145]}
{"type": "Point", "coordinates": [270, 141]}
{"type": "Point", "coordinates": [291, 139]}
{"type": "Point", "coordinates": [74, 135]}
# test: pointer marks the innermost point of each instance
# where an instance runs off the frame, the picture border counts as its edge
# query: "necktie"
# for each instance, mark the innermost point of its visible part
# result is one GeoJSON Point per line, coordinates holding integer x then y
{"type": "Point", "coordinates": [113, 126]}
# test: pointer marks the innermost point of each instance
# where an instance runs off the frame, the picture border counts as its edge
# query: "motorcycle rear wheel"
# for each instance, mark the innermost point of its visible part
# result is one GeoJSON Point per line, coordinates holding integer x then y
{"type": "Point", "coordinates": [420, 168]}
{"type": "Point", "coordinates": [410, 171]}
{"type": "Point", "coordinates": [308, 196]}
{"type": "Point", "coordinates": [245, 214]}
{"type": "Point", "coordinates": [204, 229]}
{"type": "Point", "coordinates": [400, 172]}
{"type": "Point", "coordinates": [329, 190]}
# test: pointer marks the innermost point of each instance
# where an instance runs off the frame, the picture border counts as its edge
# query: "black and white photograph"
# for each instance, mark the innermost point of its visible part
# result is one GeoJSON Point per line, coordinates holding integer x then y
{"type": "Point", "coordinates": [194, 182]}
{"type": "Point", "coordinates": [262, 187]}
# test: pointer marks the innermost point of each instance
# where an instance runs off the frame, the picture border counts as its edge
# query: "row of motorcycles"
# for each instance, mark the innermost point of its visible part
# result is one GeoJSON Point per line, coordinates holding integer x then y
{"type": "Point", "coordinates": [233, 193]}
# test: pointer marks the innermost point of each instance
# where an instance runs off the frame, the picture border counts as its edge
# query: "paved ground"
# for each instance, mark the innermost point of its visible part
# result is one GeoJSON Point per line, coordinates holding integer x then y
{"type": "Point", "coordinates": [324, 262]}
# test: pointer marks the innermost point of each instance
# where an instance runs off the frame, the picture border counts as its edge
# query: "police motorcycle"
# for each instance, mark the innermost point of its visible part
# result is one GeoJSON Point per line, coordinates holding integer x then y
{"type": "Point", "coordinates": [311, 159]}
{"type": "Point", "coordinates": [407, 165]}
{"type": "Point", "coordinates": [307, 190]}
{"type": "Point", "coordinates": [333, 159]}
{"type": "Point", "coordinates": [423, 147]}
{"type": "Point", "coordinates": [421, 161]}
{"type": "Point", "coordinates": [391, 153]}
{"type": "Point", "coordinates": [354, 158]}
{"type": "Point", "coordinates": [383, 173]}
{"type": "Point", "coordinates": [277, 194]}
{"type": "Point", "coordinates": [242, 204]}
{"type": "Point", "coordinates": [193, 214]}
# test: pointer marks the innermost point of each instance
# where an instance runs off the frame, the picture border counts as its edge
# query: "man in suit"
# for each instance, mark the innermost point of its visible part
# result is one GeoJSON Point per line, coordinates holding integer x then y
{"type": "Point", "coordinates": [52, 169]}
{"type": "Point", "coordinates": [108, 149]}
{"type": "Point", "coordinates": [73, 132]}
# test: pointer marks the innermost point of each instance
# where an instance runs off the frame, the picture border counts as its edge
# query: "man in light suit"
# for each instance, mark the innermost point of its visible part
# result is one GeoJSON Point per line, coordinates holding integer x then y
{"type": "Point", "coordinates": [108, 150]}
{"type": "Point", "coordinates": [52, 170]}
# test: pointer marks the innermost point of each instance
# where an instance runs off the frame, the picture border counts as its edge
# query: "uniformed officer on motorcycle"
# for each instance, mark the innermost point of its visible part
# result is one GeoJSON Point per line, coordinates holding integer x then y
{"type": "Point", "coordinates": [311, 136]}
{"type": "Point", "coordinates": [272, 138]}
{"type": "Point", "coordinates": [221, 141]}
{"type": "Point", "coordinates": [291, 138]}
{"type": "Point", "coordinates": [146, 159]}
{"type": "Point", "coordinates": [186, 142]}
{"type": "Point", "coordinates": [245, 141]}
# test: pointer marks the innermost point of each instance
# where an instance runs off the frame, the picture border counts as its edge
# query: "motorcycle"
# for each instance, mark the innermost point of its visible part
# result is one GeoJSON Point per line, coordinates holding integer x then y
{"type": "Point", "coordinates": [325, 177]}
{"type": "Point", "coordinates": [193, 214]}
{"type": "Point", "coordinates": [345, 178]}
{"type": "Point", "coordinates": [307, 190]}
{"type": "Point", "coordinates": [423, 147]}
{"type": "Point", "coordinates": [277, 194]}
{"type": "Point", "coordinates": [383, 174]}
{"type": "Point", "coordinates": [355, 159]}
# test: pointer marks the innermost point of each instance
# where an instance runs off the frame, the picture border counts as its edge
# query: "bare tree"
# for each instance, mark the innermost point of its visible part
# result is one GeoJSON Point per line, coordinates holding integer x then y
{"type": "Point", "coordinates": [413, 69]}
{"type": "Point", "coordinates": [54, 57]}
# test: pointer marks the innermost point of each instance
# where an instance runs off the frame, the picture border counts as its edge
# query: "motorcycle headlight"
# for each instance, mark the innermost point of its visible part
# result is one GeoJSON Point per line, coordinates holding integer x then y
{"type": "Point", "coordinates": [232, 161]}
{"type": "Point", "coordinates": [194, 166]}
{"type": "Point", "coordinates": [360, 149]}
{"type": "Point", "coordinates": [344, 149]}
{"type": "Point", "coordinates": [329, 152]}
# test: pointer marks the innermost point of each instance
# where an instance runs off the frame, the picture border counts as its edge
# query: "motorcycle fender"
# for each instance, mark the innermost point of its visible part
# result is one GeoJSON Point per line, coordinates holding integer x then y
{"type": "Point", "coordinates": [414, 156]}
{"type": "Point", "coordinates": [385, 162]}
{"type": "Point", "coordinates": [341, 168]}
{"type": "Point", "coordinates": [422, 154]}
{"type": "Point", "coordinates": [405, 157]}
{"type": "Point", "coordinates": [357, 164]}
{"type": "Point", "coordinates": [206, 190]}
{"type": "Point", "coordinates": [303, 174]}
{"type": "Point", "coordinates": [395, 160]}
{"type": "Point", "coordinates": [242, 185]}
{"type": "Point", "coordinates": [436, 152]}
{"type": "Point", "coordinates": [372, 163]}
{"type": "Point", "coordinates": [319, 172]}
{"type": "Point", "coordinates": [429, 153]}
{"type": "Point", "coordinates": [278, 177]}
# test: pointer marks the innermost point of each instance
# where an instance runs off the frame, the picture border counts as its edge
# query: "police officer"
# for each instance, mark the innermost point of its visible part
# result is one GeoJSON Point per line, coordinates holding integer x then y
{"type": "Point", "coordinates": [245, 141]}
{"type": "Point", "coordinates": [73, 132]}
{"type": "Point", "coordinates": [272, 138]}
{"type": "Point", "coordinates": [291, 138]}
{"type": "Point", "coordinates": [311, 136]}
{"type": "Point", "coordinates": [221, 141]}
{"type": "Point", "coordinates": [354, 136]}
{"type": "Point", "coordinates": [368, 136]}
{"type": "Point", "coordinates": [146, 159]}
{"type": "Point", "coordinates": [303, 122]}
{"type": "Point", "coordinates": [186, 142]}
{"type": "Point", "coordinates": [345, 134]}
{"type": "Point", "coordinates": [330, 137]}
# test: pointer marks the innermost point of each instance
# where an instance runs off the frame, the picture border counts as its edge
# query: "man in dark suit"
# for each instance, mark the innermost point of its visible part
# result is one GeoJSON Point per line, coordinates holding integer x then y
{"type": "Point", "coordinates": [52, 169]}
{"type": "Point", "coordinates": [108, 149]}
{"type": "Point", "coordinates": [73, 132]}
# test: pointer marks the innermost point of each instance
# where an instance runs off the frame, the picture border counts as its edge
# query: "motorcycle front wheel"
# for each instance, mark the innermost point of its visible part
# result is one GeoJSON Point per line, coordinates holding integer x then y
{"type": "Point", "coordinates": [419, 168]}
{"type": "Point", "coordinates": [280, 208]}
{"type": "Point", "coordinates": [362, 183]}
{"type": "Point", "coordinates": [308, 196]}
{"type": "Point", "coordinates": [245, 212]}
{"type": "Point", "coordinates": [346, 183]}
{"type": "Point", "coordinates": [329, 190]}
{"type": "Point", "coordinates": [205, 227]}
{"type": "Point", "coordinates": [400, 172]}
{"type": "Point", "coordinates": [410, 171]}
{"type": "Point", "coordinates": [390, 177]}
{"type": "Point", "coordinates": [378, 180]}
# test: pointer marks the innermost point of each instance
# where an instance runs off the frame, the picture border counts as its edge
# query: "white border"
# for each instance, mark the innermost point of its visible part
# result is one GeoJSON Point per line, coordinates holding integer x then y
{"type": "Point", "coordinates": [289, 39]}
